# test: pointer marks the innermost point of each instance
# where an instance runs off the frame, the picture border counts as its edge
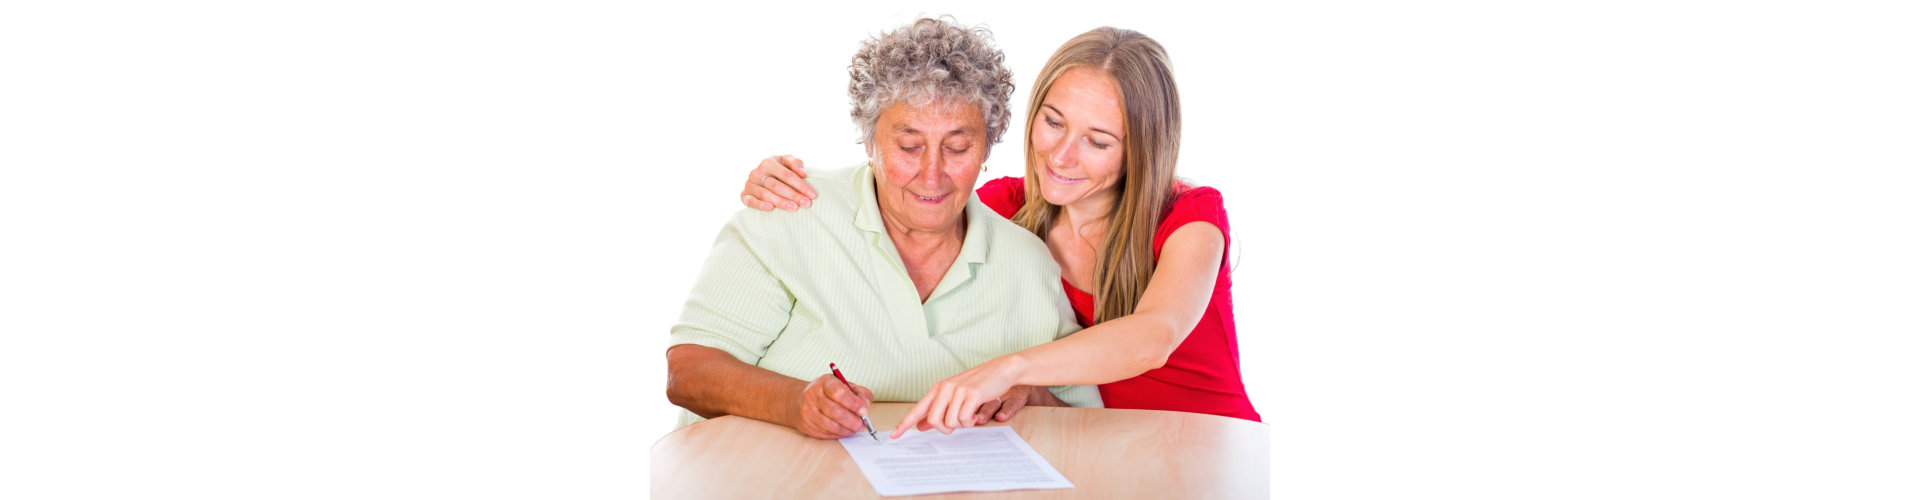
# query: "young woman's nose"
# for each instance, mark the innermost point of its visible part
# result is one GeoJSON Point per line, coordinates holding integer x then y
{"type": "Point", "coordinates": [1063, 150]}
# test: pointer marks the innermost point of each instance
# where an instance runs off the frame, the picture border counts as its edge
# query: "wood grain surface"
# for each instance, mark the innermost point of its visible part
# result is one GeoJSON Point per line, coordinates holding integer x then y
{"type": "Point", "coordinates": [1105, 453]}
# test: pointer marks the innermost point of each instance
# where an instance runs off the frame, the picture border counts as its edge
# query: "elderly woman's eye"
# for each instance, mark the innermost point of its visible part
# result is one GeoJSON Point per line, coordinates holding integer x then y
{"type": "Point", "coordinates": [909, 149]}
{"type": "Point", "coordinates": [957, 150]}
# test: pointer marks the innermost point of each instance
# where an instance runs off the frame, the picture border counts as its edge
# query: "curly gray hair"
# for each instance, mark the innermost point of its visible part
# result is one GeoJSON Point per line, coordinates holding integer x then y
{"type": "Point", "coordinates": [930, 60]}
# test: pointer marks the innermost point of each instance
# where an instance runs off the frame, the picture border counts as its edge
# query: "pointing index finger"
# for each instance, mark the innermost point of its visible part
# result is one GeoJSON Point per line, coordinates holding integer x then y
{"type": "Point", "coordinates": [912, 417]}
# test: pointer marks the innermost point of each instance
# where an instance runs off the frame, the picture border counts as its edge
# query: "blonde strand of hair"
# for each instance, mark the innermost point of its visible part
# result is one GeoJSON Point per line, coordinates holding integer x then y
{"type": "Point", "coordinates": [1143, 73]}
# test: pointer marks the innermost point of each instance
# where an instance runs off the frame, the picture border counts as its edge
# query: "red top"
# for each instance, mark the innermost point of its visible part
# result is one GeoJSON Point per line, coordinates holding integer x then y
{"type": "Point", "coordinates": [1203, 374]}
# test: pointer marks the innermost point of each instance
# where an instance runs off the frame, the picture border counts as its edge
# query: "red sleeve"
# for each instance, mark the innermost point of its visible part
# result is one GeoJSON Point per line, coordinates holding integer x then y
{"type": "Point", "coordinates": [1004, 195]}
{"type": "Point", "coordinates": [1200, 204]}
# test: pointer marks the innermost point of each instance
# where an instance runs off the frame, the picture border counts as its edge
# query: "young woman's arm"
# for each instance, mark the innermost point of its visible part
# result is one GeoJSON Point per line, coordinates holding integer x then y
{"type": "Point", "coordinates": [1115, 350]}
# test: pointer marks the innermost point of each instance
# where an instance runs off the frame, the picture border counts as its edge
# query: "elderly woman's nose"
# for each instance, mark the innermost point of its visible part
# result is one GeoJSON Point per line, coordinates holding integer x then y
{"type": "Point", "coordinates": [930, 173]}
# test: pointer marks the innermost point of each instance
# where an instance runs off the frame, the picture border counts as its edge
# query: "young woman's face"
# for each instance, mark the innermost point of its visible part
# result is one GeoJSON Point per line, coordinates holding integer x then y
{"type": "Point", "coordinates": [1079, 138]}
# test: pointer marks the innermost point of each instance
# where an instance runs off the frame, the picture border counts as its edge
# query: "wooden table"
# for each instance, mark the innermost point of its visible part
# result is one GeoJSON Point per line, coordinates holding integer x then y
{"type": "Point", "coordinates": [1105, 453]}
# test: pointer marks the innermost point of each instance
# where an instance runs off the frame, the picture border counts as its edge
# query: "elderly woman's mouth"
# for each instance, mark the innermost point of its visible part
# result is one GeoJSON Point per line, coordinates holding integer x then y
{"type": "Point", "coordinates": [931, 200]}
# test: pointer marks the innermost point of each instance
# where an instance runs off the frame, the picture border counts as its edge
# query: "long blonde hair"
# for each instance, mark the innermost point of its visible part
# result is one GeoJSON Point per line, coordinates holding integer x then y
{"type": "Point", "coordinates": [1144, 75]}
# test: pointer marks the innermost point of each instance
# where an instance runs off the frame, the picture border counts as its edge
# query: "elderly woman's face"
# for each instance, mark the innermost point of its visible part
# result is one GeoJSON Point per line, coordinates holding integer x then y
{"type": "Point", "coordinates": [929, 158]}
{"type": "Point", "coordinates": [1079, 138]}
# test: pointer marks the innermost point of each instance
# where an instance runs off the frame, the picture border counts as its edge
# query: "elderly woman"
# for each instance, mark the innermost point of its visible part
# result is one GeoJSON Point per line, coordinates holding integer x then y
{"type": "Point", "coordinates": [898, 274]}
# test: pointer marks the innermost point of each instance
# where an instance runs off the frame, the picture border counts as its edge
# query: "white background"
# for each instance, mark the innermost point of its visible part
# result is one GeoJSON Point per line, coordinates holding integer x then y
{"type": "Point", "coordinates": [432, 249]}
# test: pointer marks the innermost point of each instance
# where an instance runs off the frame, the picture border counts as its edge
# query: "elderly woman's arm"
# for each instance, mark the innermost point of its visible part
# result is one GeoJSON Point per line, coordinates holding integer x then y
{"type": "Point", "coordinates": [711, 383]}
{"type": "Point", "coordinates": [735, 311]}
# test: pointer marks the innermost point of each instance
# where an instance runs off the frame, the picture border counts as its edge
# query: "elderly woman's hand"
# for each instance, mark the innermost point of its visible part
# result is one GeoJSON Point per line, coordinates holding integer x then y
{"type": "Point", "coordinates": [973, 396]}
{"type": "Point", "coordinates": [1020, 396]}
{"type": "Point", "coordinates": [829, 410]}
{"type": "Point", "coordinates": [776, 182]}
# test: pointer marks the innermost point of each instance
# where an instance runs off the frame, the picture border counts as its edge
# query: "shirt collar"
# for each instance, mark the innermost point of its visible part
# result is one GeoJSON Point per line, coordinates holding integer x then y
{"type": "Point", "coordinates": [973, 249]}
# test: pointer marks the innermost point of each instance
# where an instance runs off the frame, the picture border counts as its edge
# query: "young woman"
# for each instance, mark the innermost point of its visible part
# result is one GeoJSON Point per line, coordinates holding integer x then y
{"type": "Point", "coordinates": [1142, 256]}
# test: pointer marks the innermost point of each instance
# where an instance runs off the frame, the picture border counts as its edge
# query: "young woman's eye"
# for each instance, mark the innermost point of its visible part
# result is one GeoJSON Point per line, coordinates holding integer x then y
{"type": "Point", "coordinates": [1097, 144]}
{"type": "Point", "coordinates": [1052, 123]}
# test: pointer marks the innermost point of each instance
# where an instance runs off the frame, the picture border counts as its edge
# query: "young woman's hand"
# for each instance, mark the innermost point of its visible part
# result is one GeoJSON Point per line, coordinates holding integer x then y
{"type": "Point", "coordinates": [958, 401]}
{"type": "Point", "coordinates": [777, 183]}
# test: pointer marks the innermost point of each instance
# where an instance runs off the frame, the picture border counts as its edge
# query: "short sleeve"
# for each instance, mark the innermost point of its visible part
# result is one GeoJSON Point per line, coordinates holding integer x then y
{"type": "Point", "coordinates": [1078, 396]}
{"type": "Point", "coordinates": [1198, 204]}
{"type": "Point", "coordinates": [1004, 195]}
{"type": "Point", "coordinates": [737, 304]}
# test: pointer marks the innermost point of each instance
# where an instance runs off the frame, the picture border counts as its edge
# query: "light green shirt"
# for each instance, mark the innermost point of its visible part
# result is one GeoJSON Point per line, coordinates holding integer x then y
{"type": "Point", "coordinates": [794, 291]}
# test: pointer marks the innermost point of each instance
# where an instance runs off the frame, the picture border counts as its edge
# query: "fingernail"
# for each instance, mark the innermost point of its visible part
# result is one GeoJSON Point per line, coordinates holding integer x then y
{"type": "Point", "coordinates": [789, 206]}
{"type": "Point", "coordinates": [806, 203]}
{"type": "Point", "coordinates": [863, 412]}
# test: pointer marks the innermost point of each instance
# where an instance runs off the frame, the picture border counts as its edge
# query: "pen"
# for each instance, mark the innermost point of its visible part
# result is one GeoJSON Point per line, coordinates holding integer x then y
{"type": "Point", "coordinates": [863, 418]}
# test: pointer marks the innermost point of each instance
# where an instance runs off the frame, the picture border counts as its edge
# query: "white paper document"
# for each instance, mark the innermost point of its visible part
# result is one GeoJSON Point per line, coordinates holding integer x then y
{"type": "Point", "coordinates": [974, 459]}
